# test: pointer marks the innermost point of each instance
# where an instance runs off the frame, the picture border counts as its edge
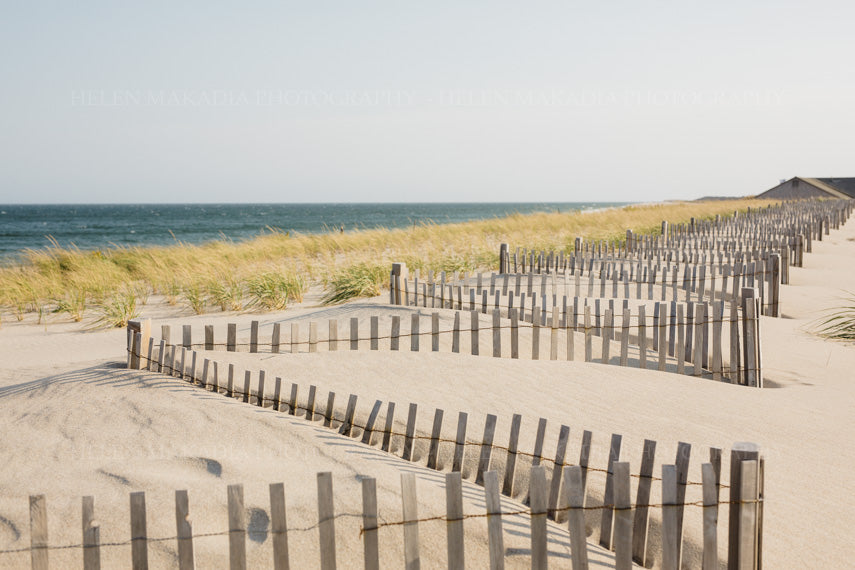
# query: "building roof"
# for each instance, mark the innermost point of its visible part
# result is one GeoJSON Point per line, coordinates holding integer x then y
{"type": "Point", "coordinates": [836, 187]}
{"type": "Point", "coordinates": [845, 185]}
{"type": "Point", "coordinates": [822, 185]}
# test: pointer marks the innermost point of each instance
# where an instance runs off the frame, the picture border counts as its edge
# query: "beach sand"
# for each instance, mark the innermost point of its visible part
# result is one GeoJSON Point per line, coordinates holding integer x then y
{"type": "Point", "coordinates": [75, 422]}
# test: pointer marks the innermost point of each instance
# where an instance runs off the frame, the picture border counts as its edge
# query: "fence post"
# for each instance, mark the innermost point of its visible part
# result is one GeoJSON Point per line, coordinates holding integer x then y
{"type": "Point", "coordinates": [750, 340]}
{"type": "Point", "coordinates": [576, 516]}
{"type": "Point", "coordinates": [539, 500]}
{"type": "Point", "coordinates": [511, 462]}
{"type": "Point", "coordinates": [38, 532]}
{"type": "Point", "coordinates": [710, 515]}
{"type": "Point", "coordinates": [494, 521]}
{"type": "Point", "coordinates": [369, 524]}
{"type": "Point", "coordinates": [460, 441]}
{"type": "Point", "coordinates": [671, 538]}
{"type": "Point", "coordinates": [91, 536]}
{"type": "Point", "coordinates": [237, 528]}
{"type": "Point", "coordinates": [399, 273]}
{"type": "Point", "coordinates": [354, 333]}
{"type": "Point", "coordinates": [503, 259]}
{"type": "Point", "coordinates": [411, 430]}
{"type": "Point", "coordinates": [231, 337]}
{"type": "Point", "coordinates": [557, 466]}
{"type": "Point", "coordinates": [434, 438]}
{"type": "Point", "coordinates": [326, 520]}
{"type": "Point", "coordinates": [454, 518]}
{"type": "Point", "coordinates": [486, 448]}
{"type": "Point", "coordinates": [739, 528]}
{"type": "Point", "coordinates": [278, 526]}
{"type": "Point", "coordinates": [608, 498]}
{"type": "Point", "coordinates": [623, 517]}
{"type": "Point", "coordinates": [253, 336]}
{"type": "Point", "coordinates": [639, 533]}
{"type": "Point", "coordinates": [139, 539]}
{"type": "Point", "coordinates": [411, 525]}
{"type": "Point", "coordinates": [184, 531]}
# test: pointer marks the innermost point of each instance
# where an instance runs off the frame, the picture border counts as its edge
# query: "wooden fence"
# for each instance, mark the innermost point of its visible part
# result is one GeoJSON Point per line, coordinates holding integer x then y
{"type": "Point", "coordinates": [623, 516]}
{"type": "Point", "coordinates": [717, 340]}
{"type": "Point", "coordinates": [561, 493]}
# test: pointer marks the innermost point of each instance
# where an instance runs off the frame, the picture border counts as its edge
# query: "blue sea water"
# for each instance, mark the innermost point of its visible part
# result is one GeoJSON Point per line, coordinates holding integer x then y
{"type": "Point", "coordinates": [102, 226]}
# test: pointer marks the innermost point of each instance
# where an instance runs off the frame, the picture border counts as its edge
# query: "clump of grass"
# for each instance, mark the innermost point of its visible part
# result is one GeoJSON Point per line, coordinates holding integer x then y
{"type": "Point", "coordinates": [118, 310]}
{"type": "Point", "coordinates": [360, 280]}
{"type": "Point", "coordinates": [840, 323]}
{"type": "Point", "coordinates": [194, 294]}
{"type": "Point", "coordinates": [227, 292]}
{"type": "Point", "coordinates": [73, 303]}
{"type": "Point", "coordinates": [273, 290]}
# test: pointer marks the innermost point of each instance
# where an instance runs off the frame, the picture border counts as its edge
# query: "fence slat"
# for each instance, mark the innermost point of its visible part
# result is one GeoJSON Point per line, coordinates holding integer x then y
{"type": "Point", "coordinates": [671, 538]}
{"type": "Point", "coordinates": [329, 410]}
{"type": "Point", "coordinates": [394, 336]}
{"type": "Point", "coordinates": [253, 336]}
{"type": "Point", "coordinates": [684, 451]}
{"type": "Point", "coordinates": [623, 512]}
{"type": "Point", "coordinates": [639, 531]}
{"type": "Point", "coordinates": [231, 337]}
{"type": "Point", "coordinates": [91, 536]}
{"type": "Point", "coordinates": [486, 448]}
{"type": "Point", "coordinates": [539, 499]}
{"type": "Point", "coordinates": [310, 403]}
{"type": "Point", "coordinates": [387, 430]}
{"type": "Point", "coordinates": [459, 445]}
{"type": "Point", "coordinates": [558, 465]}
{"type": "Point", "coordinates": [410, 509]}
{"type": "Point", "coordinates": [748, 515]}
{"type": "Point", "coordinates": [326, 521]}
{"type": "Point", "coordinates": [494, 520]}
{"type": "Point", "coordinates": [710, 515]}
{"type": "Point", "coordinates": [497, 333]}
{"type": "Point", "coordinates": [354, 333]}
{"type": "Point", "coordinates": [372, 418]}
{"type": "Point", "coordinates": [184, 531]}
{"type": "Point", "coordinates": [576, 516]}
{"type": "Point", "coordinates": [237, 528]}
{"type": "Point", "coordinates": [608, 498]}
{"type": "Point", "coordinates": [473, 333]}
{"type": "Point", "coordinates": [435, 434]}
{"type": "Point", "coordinates": [347, 427]}
{"type": "Point", "coordinates": [279, 526]}
{"type": "Point", "coordinates": [333, 334]}
{"type": "Point", "coordinates": [511, 462]}
{"type": "Point", "coordinates": [370, 546]}
{"type": "Point", "coordinates": [411, 431]}
{"type": "Point", "coordinates": [38, 533]}
{"type": "Point", "coordinates": [454, 518]}
{"type": "Point", "coordinates": [139, 538]}
{"type": "Point", "coordinates": [414, 332]}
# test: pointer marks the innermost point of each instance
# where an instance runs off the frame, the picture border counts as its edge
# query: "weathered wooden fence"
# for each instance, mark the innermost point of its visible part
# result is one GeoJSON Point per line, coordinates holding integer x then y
{"type": "Point", "coordinates": [744, 531]}
{"type": "Point", "coordinates": [560, 493]}
{"type": "Point", "coordinates": [717, 340]}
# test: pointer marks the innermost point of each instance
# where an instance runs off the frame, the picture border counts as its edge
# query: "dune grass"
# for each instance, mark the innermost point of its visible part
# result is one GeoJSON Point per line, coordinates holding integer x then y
{"type": "Point", "coordinates": [839, 324]}
{"type": "Point", "coordinates": [275, 269]}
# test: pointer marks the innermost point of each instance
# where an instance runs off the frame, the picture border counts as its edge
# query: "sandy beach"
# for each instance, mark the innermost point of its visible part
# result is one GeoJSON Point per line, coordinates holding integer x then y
{"type": "Point", "coordinates": [76, 422]}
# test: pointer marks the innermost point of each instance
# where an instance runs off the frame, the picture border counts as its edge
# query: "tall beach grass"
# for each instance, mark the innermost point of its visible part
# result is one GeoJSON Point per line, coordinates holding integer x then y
{"type": "Point", "coordinates": [275, 269]}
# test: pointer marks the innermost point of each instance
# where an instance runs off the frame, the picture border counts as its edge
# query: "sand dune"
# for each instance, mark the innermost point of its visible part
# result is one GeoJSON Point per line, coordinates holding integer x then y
{"type": "Point", "coordinates": [77, 423]}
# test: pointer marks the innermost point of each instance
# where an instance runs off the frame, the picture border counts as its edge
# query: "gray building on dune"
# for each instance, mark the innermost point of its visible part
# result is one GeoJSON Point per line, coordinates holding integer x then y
{"type": "Point", "coordinates": [799, 188]}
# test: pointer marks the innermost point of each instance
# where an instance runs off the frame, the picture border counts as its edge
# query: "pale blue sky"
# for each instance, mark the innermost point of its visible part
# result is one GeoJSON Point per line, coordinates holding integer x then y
{"type": "Point", "coordinates": [432, 101]}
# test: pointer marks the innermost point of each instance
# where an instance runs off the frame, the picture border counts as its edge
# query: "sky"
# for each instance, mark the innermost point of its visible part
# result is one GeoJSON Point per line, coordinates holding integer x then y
{"type": "Point", "coordinates": [129, 102]}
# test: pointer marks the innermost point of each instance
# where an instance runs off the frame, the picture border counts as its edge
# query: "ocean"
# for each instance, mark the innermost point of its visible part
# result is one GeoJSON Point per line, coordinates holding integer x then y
{"type": "Point", "coordinates": [103, 226]}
